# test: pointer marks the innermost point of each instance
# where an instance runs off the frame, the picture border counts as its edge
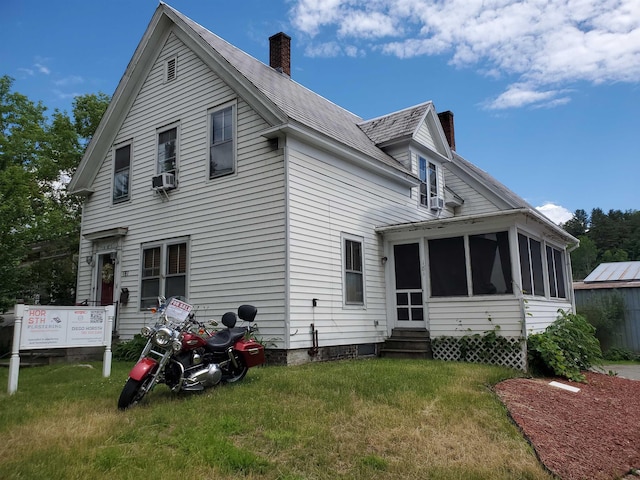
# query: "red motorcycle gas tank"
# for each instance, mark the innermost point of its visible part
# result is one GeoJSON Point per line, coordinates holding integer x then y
{"type": "Point", "coordinates": [191, 341]}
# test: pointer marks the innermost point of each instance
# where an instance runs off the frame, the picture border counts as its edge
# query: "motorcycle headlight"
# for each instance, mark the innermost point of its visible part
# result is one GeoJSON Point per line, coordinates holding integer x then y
{"type": "Point", "coordinates": [162, 337]}
{"type": "Point", "coordinates": [176, 345]}
{"type": "Point", "coordinates": [146, 331]}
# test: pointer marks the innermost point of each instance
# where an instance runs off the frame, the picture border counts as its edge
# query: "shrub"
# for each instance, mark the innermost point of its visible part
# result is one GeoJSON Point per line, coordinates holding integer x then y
{"type": "Point", "coordinates": [566, 347]}
{"type": "Point", "coordinates": [130, 349]}
{"type": "Point", "coordinates": [618, 354]}
{"type": "Point", "coordinates": [606, 313]}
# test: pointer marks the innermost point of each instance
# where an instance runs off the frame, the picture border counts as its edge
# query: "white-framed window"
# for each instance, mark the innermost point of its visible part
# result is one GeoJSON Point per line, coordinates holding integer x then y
{"type": "Point", "coordinates": [353, 265]}
{"type": "Point", "coordinates": [122, 173]}
{"type": "Point", "coordinates": [222, 140]}
{"type": "Point", "coordinates": [168, 147]}
{"type": "Point", "coordinates": [163, 271]}
{"type": "Point", "coordinates": [428, 173]}
{"type": "Point", "coordinates": [488, 271]}
{"type": "Point", "coordinates": [555, 272]}
{"type": "Point", "coordinates": [531, 269]}
{"type": "Point", "coordinates": [171, 69]}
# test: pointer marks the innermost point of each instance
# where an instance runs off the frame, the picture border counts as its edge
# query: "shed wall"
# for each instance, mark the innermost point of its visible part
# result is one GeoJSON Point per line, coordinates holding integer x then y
{"type": "Point", "coordinates": [628, 334]}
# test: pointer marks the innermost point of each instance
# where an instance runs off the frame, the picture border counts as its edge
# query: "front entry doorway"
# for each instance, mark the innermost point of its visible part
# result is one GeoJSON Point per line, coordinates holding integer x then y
{"type": "Point", "coordinates": [105, 280]}
{"type": "Point", "coordinates": [408, 286]}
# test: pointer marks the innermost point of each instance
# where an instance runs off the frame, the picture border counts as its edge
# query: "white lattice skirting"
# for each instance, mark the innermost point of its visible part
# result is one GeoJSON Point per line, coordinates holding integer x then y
{"type": "Point", "coordinates": [514, 356]}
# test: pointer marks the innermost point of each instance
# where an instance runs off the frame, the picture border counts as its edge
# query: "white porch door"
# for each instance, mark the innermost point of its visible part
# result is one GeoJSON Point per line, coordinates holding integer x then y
{"type": "Point", "coordinates": [409, 299]}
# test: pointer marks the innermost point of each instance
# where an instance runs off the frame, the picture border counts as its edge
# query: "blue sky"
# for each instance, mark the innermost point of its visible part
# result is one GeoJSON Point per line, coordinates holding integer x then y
{"type": "Point", "coordinates": [545, 94]}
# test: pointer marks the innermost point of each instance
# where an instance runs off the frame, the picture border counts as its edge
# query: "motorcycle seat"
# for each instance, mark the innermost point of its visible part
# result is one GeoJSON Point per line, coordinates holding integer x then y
{"type": "Point", "coordinates": [225, 338]}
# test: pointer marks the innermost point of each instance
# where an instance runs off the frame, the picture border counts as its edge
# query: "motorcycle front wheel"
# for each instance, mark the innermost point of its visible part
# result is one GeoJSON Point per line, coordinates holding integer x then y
{"type": "Point", "coordinates": [131, 394]}
{"type": "Point", "coordinates": [236, 374]}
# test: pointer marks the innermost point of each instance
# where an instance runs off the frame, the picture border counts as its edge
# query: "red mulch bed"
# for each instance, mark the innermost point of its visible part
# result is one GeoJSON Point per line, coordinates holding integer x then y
{"type": "Point", "coordinates": [592, 434]}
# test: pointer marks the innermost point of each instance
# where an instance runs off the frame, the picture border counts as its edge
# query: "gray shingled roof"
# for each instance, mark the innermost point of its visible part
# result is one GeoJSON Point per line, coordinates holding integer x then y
{"type": "Point", "coordinates": [395, 126]}
{"type": "Point", "coordinates": [508, 195]}
{"type": "Point", "coordinates": [297, 102]}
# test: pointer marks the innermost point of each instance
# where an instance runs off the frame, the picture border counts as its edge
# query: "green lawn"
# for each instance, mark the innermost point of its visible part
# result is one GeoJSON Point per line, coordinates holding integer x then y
{"type": "Point", "coordinates": [379, 418]}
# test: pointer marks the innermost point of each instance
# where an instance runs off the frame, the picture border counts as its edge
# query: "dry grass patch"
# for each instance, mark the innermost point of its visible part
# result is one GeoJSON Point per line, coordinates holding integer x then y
{"type": "Point", "coordinates": [383, 419]}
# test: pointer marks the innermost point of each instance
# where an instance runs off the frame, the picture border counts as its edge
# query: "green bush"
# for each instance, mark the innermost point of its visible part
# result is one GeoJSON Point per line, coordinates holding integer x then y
{"type": "Point", "coordinates": [566, 348]}
{"type": "Point", "coordinates": [621, 354]}
{"type": "Point", "coordinates": [606, 313]}
{"type": "Point", "coordinates": [130, 349]}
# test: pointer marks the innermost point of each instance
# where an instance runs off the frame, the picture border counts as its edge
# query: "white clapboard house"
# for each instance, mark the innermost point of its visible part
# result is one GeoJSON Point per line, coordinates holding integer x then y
{"type": "Point", "coordinates": [219, 178]}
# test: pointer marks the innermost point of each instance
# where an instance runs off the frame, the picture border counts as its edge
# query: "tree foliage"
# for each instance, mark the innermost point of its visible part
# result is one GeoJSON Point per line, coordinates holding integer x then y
{"type": "Point", "coordinates": [604, 237]}
{"type": "Point", "coordinates": [39, 220]}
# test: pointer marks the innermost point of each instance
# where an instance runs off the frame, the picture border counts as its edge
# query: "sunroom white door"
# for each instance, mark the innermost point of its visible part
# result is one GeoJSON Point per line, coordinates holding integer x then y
{"type": "Point", "coordinates": [408, 297]}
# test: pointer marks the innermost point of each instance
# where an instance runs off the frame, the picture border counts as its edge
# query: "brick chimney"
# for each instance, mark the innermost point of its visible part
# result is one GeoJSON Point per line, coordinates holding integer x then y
{"type": "Point", "coordinates": [446, 120]}
{"type": "Point", "coordinates": [280, 53]}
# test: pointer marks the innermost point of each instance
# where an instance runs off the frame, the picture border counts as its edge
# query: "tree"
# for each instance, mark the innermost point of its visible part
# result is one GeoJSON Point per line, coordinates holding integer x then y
{"type": "Point", "coordinates": [88, 111]}
{"type": "Point", "coordinates": [604, 237]}
{"type": "Point", "coordinates": [584, 258]}
{"type": "Point", "coordinates": [39, 220]}
{"type": "Point", "coordinates": [578, 225]}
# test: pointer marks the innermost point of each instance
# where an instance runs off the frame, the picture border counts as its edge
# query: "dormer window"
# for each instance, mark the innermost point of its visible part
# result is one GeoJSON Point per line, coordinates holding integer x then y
{"type": "Point", "coordinates": [428, 181]}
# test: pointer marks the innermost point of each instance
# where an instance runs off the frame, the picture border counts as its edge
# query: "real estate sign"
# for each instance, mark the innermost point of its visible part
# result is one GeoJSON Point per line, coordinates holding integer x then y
{"type": "Point", "coordinates": [38, 327]}
{"type": "Point", "coordinates": [63, 327]}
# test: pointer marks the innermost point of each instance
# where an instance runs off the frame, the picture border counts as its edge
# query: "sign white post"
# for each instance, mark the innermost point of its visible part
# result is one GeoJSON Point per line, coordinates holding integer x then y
{"type": "Point", "coordinates": [38, 327]}
{"type": "Point", "coordinates": [14, 363]}
{"type": "Point", "coordinates": [106, 361]}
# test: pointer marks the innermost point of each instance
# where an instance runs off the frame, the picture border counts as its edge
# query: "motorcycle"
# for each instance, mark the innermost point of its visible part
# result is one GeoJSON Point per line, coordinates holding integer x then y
{"type": "Point", "coordinates": [183, 354]}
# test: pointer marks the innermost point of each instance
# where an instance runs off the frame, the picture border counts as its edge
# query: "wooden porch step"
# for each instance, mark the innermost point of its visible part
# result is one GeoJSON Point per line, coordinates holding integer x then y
{"type": "Point", "coordinates": [407, 343]}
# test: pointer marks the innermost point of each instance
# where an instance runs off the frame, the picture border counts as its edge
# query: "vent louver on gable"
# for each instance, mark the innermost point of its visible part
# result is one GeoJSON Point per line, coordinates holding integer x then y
{"type": "Point", "coordinates": [171, 69]}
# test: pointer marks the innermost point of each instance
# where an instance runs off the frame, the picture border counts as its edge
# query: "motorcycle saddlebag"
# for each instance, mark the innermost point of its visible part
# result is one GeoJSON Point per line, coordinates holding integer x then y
{"type": "Point", "coordinates": [252, 352]}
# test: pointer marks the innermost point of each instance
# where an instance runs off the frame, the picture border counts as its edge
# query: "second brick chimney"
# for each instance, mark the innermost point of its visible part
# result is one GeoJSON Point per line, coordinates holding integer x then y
{"type": "Point", "coordinates": [280, 53]}
{"type": "Point", "coordinates": [446, 120]}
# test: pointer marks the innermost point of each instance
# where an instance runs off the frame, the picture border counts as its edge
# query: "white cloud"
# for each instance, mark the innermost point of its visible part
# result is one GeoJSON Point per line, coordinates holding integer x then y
{"type": "Point", "coordinates": [42, 68]}
{"type": "Point", "coordinates": [70, 80]}
{"type": "Point", "coordinates": [26, 72]}
{"type": "Point", "coordinates": [520, 95]}
{"type": "Point", "coordinates": [65, 95]}
{"type": "Point", "coordinates": [545, 45]}
{"type": "Point", "coordinates": [555, 213]}
{"type": "Point", "coordinates": [367, 25]}
{"type": "Point", "coordinates": [328, 49]}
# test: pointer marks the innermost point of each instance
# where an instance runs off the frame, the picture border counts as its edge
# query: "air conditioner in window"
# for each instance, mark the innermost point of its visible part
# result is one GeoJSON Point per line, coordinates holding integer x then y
{"type": "Point", "coordinates": [164, 181]}
{"type": "Point", "coordinates": [436, 203]}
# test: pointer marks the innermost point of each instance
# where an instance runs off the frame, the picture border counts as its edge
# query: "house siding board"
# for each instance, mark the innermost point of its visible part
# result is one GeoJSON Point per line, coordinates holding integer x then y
{"type": "Point", "coordinates": [540, 313]}
{"type": "Point", "coordinates": [474, 202]}
{"type": "Point", "coordinates": [462, 317]}
{"type": "Point", "coordinates": [230, 261]}
{"type": "Point", "coordinates": [424, 136]}
{"type": "Point", "coordinates": [325, 200]}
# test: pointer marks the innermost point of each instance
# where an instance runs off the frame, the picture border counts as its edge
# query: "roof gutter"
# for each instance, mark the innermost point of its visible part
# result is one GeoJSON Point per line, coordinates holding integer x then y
{"type": "Point", "coordinates": [441, 222]}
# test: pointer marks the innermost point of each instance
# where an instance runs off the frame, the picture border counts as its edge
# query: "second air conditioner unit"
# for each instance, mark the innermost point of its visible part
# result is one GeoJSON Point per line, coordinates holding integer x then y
{"type": "Point", "coordinates": [163, 181]}
{"type": "Point", "coordinates": [436, 203]}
